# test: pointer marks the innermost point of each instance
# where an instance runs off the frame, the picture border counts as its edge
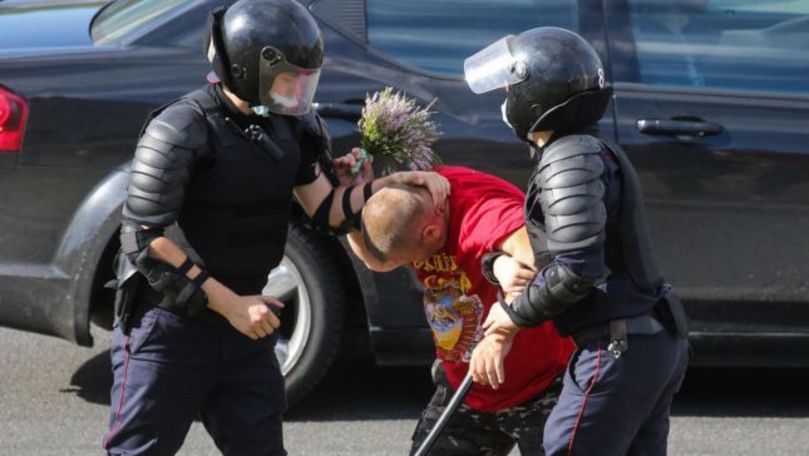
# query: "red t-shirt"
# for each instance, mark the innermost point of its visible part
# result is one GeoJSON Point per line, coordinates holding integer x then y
{"type": "Point", "coordinates": [484, 211]}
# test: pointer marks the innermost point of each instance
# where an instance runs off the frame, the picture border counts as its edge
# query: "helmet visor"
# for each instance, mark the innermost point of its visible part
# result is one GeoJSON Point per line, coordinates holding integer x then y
{"type": "Point", "coordinates": [287, 89]}
{"type": "Point", "coordinates": [494, 67]}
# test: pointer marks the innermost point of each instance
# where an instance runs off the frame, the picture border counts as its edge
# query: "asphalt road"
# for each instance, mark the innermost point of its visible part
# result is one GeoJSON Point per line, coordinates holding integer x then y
{"type": "Point", "coordinates": [54, 400]}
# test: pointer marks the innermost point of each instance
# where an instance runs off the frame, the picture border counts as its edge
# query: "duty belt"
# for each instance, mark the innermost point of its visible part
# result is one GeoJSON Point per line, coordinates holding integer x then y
{"type": "Point", "coordinates": [618, 330]}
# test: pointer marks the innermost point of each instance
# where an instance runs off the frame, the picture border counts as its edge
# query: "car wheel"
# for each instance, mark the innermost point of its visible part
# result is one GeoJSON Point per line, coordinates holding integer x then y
{"type": "Point", "coordinates": [308, 283]}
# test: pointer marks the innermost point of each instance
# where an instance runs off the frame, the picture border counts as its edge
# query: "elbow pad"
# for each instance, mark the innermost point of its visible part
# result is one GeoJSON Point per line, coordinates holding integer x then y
{"type": "Point", "coordinates": [556, 291]}
{"type": "Point", "coordinates": [180, 294]}
{"type": "Point", "coordinates": [571, 196]}
{"type": "Point", "coordinates": [135, 242]}
{"type": "Point", "coordinates": [162, 165]}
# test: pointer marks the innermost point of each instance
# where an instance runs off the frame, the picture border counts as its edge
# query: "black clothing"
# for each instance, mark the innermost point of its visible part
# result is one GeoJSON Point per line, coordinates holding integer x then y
{"type": "Point", "coordinates": [601, 266]}
{"type": "Point", "coordinates": [229, 195]}
{"type": "Point", "coordinates": [171, 370]}
{"type": "Point", "coordinates": [220, 183]}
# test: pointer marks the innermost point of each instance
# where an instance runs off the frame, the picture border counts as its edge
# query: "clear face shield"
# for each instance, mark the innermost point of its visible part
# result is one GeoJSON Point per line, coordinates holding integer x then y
{"type": "Point", "coordinates": [285, 88]}
{"type": "Point", "coordinates": [494, 67]}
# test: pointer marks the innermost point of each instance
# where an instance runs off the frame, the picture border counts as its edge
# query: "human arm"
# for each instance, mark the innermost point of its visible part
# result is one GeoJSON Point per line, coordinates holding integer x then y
{"type": "Point", "coordinates": [571, 205]}
{"type": "Point", "coordinates": [321, 197]}
{"type": "Point", "coordinates": [486, 364]}
{"type": "Point", "coordinates": [513, 269]}
{"type": "Point", "coordinates": [252, 316]}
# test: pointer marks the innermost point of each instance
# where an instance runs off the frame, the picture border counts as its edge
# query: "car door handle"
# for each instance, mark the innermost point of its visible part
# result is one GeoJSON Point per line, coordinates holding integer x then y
{"type": "Point", "coordinates": [679, 127]}
{"type": "Point", "coordinates": [345, 111]}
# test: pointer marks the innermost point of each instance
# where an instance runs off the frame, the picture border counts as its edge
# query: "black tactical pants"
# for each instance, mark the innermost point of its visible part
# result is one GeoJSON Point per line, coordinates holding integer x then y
{"type": "Point", "coordinates": [172, 369]}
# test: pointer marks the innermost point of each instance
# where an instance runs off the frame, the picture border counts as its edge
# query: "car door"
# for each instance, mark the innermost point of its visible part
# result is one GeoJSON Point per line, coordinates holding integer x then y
{"type": "Point", "coordinates": [712, 105]}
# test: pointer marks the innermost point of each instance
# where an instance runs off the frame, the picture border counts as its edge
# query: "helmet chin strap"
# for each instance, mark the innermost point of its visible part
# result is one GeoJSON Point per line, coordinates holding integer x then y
{"type": "Point", "coordinates": [533, 150]}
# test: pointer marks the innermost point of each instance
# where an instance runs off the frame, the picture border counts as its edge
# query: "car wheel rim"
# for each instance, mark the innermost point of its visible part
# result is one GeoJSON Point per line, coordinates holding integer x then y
{"type": "Point", "coordinates": [286, 283]}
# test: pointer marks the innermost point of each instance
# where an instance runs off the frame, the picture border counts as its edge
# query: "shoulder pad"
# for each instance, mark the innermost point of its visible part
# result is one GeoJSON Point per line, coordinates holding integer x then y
{"type": "Point", "coordinates": [572, 192]}
{"type": "Point", "coordinates": [570, 161]}
{"type": "Point", "coordinates": [162, 165]}
{"type": "Point", "coordinates": [181, 125]}
{"type": "Point", "coordinates": [570, 146]}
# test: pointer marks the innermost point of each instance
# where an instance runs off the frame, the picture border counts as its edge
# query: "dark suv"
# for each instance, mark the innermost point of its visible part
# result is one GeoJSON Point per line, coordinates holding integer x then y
{"type": "Point", "coordinates": [711, 103]}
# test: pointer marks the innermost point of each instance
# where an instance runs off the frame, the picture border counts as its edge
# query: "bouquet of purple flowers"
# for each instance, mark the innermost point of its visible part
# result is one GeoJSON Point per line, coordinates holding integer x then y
{"type": "Point", "coordinates": [397, 133]}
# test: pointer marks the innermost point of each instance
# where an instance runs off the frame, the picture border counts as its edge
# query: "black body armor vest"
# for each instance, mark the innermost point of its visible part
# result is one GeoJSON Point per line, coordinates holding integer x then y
{"type": "Point", "coordinates": [237, 202]}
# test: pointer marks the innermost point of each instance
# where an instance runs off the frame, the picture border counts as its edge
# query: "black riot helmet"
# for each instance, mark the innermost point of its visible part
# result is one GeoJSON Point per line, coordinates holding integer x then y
{"type": "Point", "coordinates": [554, 79]}
{"type": "Point", "coordinates": [268, 53]}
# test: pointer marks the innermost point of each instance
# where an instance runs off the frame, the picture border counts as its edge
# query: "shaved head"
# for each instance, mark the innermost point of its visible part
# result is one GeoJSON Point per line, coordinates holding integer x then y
{"type": "Point", "coordinates": [392, 220]}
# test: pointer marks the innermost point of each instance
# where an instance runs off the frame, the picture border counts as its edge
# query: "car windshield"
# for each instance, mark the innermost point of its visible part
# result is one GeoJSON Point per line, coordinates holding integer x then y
{"type": "Point", "coordinates": [123, 17]}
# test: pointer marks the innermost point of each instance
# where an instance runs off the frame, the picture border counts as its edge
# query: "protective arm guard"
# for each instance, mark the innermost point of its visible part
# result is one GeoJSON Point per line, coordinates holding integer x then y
{"type": "Point", "coordinates": [180, 294]}
{"type": "Point", "coordinates": [572, 200]}
{"type": "Point", "coordinates": [161, 170]}
{"type": "Point", "coordinates": [351, 219]}
{"type": "Point", "coordinates": [551, 294]}
{"type": "Point", "coordinates": [313, 133]}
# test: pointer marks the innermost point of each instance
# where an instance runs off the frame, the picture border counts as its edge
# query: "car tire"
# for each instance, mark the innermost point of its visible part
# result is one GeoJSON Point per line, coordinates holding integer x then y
{"type": "Point", "coordinates": [308, 282]}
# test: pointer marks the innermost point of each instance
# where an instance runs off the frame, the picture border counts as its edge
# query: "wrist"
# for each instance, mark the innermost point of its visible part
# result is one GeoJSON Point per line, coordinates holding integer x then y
{"type": "Point", "coordinates": [503, 335]}
{"type": "Point", "coordinates": [220, 297]}
{"type": "Point", "coordinates": [510, 310]}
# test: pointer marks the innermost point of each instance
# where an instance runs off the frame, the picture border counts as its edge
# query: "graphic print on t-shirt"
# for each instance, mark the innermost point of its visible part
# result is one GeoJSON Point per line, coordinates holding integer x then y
{"type": "Point", "coordinates": [454, 316]}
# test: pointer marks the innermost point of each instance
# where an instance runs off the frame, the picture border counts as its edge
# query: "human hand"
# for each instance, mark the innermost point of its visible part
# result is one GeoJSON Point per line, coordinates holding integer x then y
{"type": "Point", "coordinates": [486, 365]}
{"type": "Point", "coordinates": [498, 321]}
{"type": "Point", "coordinates": [436, 184]}
{"type": "Point", "coordinates": [253, 316]}
{"type": "Point", "coordinates": [344, 166]}
{"type": "Point", "coordinates": [512, 275]}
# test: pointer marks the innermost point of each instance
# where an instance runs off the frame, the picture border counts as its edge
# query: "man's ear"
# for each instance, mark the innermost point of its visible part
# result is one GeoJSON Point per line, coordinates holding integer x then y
{"type": "Point", "coordinates": [431, 233]}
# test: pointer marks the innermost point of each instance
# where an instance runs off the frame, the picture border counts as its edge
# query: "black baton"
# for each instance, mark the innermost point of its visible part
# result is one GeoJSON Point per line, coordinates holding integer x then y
{"type": "Point", "coordinates": [452, 406]}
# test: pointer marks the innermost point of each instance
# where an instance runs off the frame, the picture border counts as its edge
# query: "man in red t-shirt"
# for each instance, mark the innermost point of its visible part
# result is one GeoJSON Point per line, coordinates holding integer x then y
{"type": "Point", "coordinates": [445, 245]}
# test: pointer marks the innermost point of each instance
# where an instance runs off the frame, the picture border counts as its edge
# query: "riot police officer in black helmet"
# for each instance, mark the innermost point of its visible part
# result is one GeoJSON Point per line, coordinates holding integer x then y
{"type": "Point", "coordinates": [205, 221]}
{"type": "Point", "coordinates": [597, 281]}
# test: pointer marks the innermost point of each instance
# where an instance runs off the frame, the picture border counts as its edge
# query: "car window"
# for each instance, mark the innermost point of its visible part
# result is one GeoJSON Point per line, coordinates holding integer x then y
{"type": "Point", "coordinates": [123, 17]}
{"type": "Point", "coordinates": [437, 35]}
{"type": "Point", "coordinates": [21, 24]}
{"type": "Point", "coordinates": [734, 44]}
